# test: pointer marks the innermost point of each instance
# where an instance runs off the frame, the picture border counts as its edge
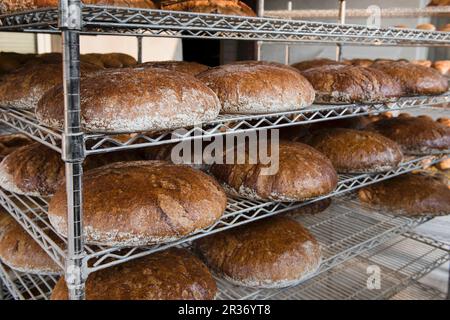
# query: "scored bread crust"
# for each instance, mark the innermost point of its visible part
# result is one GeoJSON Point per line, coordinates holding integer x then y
{"type": "Point", "coordinates": [192, 68]}
{"type": "Point", "coordinates": [351, 84]}
{"type": "Point", "coordinates": [355, 151]}
{"type": "Point", "coordinates": [172, 274]}
{"type": "Point", "coordinates": [142, 202]}
{"type": "Point", "coordinates": [270, 253]}
{"type": "Point", "coordinates": [254, 87]}
{"type": "Point", "coordinates": [134, 100]}
{"type": "Point", "coordinates": [230, 7]}
{"type": "Point", "coordinates": [409, 194]}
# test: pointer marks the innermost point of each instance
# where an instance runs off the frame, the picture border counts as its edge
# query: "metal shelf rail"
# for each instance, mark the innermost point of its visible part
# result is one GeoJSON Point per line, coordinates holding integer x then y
{"type": "Point", "coordinates": [26, 122]}
{"type": "Point", "coordinates": [161, 23]}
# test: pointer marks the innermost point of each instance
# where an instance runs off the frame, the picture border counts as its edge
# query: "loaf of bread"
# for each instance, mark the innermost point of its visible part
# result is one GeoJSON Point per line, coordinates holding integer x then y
{"type": "Point", "coordinates": [192, 68]}
{"type": "Point", "coordinates": [7, 6]}
{"type": "Point", "coordinates": [354, 151]}
{"type": "Point", "coordinates": [10, 61]}
{"type": "Point", "coordinates": [37, 170]}
{"type": "Point", "coordinates": [426, 26]}
{"type": "Point", "coordinates": [357, 123]}
{"type": "Point", "coordinates": [445, 28]}
{"type": "Point", "coordinates": [414, 79]}
{"type": "Point", "coordinates": [10, 142]}
{"type": "Point", "coordinates": [415, 135]}
{"type": "Point", "coordinates": [23, 88]}
{"type": "Point", "coordinates": [442, 66]}
{"type": "Point", "coordinates": [444, 121]}
{"type": "Point", "coordinates": [172, 274]}
{"type": "Point", "coordinates": [309, 64]}
{"type": "Point", "coordinates": [109, 60]}
{"type": "Point", "coordinates": [271, 253]}
{"type": "Point", "coordinates": [424, 63]}
{"type": "Point", "coordinates": [311, 208]}
{"type": "Point", "coordinates": [439, 3]}
{"type": "Point", "coordinates": [360, 62]}
{"type": "Point", "coordinates": [142, 202]}
{"type": "Point", "coordinates": [19, 251]}
{"type": "Point", "coordinates": [303, 173]}
{"type": "Point", "coordinates": [409, 194]}
{"type": "Point", "coordinates": [258, 87]}
{"type": "Point", "coordinates": [231, 7]}
{"type": "Point", "coordinates": [351, 84]}
{"type": "Point", "coordinates": [133, 100]}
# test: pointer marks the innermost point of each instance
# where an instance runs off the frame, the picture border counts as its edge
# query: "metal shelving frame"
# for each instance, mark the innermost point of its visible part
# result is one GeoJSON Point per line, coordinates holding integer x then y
{"type": "Point", "coordinates": [71, 19]}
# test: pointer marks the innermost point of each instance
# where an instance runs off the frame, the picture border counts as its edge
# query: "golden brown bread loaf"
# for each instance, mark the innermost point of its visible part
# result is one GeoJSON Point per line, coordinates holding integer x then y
{"type": "Point", "coordinates": [20, 5]}
{"type": "Point", "coordinates": [10, 142]}
{"type": "Point", "coordinates": [424, 63]}
{"type": "Point", "coordinates": [442, 66]}
{"type": "Point", "coordinates": [426, 26]}
{"type": "Point", "coordinates": [350, 84]}
{"type": "Point", "coordinates": [192, 68]}
{"type": "Point", "coordinates": [439, 3]}
{"type": "Point", "coordinates": [309, 64]}
{"type": "Point", "coordinates": [311, 208]}
{"type": "Point", "coordinates": [142, 202]}
{"type": "Point", "coordinates": [354, 151]}
{"type": "Point", "coordinates": [133, 100]}
{"type": "Point", "coordinates": [244, 87]}
{"type": "Point", "coordinates": [19, 251]}
{"type": "Point", "coordinates": [444, 121]}
{"type": "Point", "coordinates": [445, 28]}
{"type": "Point", "coordinates": [271, 253]}
{"type": "Point", "coordinates": [172, 274]}
{"type": "Point", "coordinates": [23, 88]}
{"type": "Point", "coordinates": [414, 135]}
{"type": "Point", "coordinates": [414, 79]}
{"type": "Point", "coordinates": [303, 173]}
{"type": "Point", "coordinates": [109, 60]}
{"type": "Point", "coordinates": [409, 194]}
{"type": "Point", "coordinates": [231, 7]}
{"type": "Point", "coordinates": [37, 170]}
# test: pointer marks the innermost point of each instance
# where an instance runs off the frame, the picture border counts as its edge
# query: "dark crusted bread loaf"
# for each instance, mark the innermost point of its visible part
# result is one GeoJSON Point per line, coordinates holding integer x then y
{"type": "Point", "coordinates": [415, 135]}
{"type": "Point", "coordinates": [37, 170]}
{"type": "Point", "coordinates": [20, 251]}
{"type": "Point", "coordinates": [302, 173]}
{"type": "Point", "coordinates": [271, 253]}
{"type": "Point", "coordinates": [172, 274]}
{"type": "Point", "coordinates": [414, 79]}
{"type": "Point", "coordinates": [10, 142]}
{"type": "Point", "coordinates": [134, 99]}
{"type": "Point", "coordinates": [254, 87]}
{"type": "Point", "coordinates": [350, 84]}
{"type": "Point", "coordinates": [409, 194]}
{"type": "Point", "coordinates": [311, 208]}
{"type": "Point", "coordinates": [20, 5]}
{"type": "Point", "coordinates": [192, 68]}
{"type": "Point", "coordinates": [23, 88]}
{"type": "Point", "coordinates": [354, 151]}
{"type": "Point", "coordinates": [308, 64]}
{"type": "Point", "coordinates": [231, 7]}
{"type": "Point", "coordinates": [142, 202]}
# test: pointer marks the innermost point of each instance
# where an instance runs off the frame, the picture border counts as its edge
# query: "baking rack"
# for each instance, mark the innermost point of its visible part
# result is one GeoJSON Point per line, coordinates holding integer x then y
{"type": "Point", "coordinates": [74, 145]}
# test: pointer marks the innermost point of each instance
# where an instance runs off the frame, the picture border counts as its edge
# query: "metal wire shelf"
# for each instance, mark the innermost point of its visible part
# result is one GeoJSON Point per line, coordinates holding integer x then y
{"type": "Point", "coordinates": [419, 291]}
{"type": "Point", "coordinates": [401, 261]}
{"type": "Point", "coordinates": [160, 23]}
{"type": "Point", "coordinates": [26, 122]}
{"type": "Point", "coordinates": [31, 213]}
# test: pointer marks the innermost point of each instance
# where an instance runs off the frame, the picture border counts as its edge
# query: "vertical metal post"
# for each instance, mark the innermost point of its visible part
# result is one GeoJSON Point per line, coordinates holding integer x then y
{"type": "Point", "coordinates": [139, 47]}
{"type": "Point", "coordinates": [73, 147]}
{"type": "Point", "coordinates": [287, 47]}
{"type": "Point", "coordinates": [260, 13]}
{"type": "Point", "coordinates": [342, 8]}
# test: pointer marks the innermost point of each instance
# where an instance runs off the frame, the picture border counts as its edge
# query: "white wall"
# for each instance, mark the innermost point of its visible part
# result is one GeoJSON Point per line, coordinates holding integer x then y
{"type": "Point", "coordinates": [18, 42]}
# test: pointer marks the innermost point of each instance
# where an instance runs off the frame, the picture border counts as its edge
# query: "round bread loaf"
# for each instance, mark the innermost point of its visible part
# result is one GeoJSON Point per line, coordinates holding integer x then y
{"type": "Point", "coordinates": [109, 60]}
{"type": "Point", "coordinates": [444, 121]}
{"type": "Point", "coordinates": [303, 173]}
{"type": "Point", "coordinates": [231, 7]}
{"type": "Point", "coordinates": [409, 194]}
{"type": "Point", "coordinates": [360, 62]}
{"type": "Point", "coordinates": [350, 84]}
{"type": "Point", "coordinates": [258, 87]}
{"type": "Point", "coordinates": [354, 151]}
{"type": "Point", "coordinates": [442, 66]}
{"type": "Point", "coordinates": [172, 274]}
{"type": "Point", "coordinates": [37, 170]}
{"type": "Point", "coordinates": [23, 88]}
{"type": "Point", "coordinates": [10, 142]}
{"type": "Point", "coordinates": [271, 253]}
{"type": "Point", "coordinates": [414, 79]}
{"type": "Point", "coordinates": [311, 208]}
{"type": "Point", "coordinates": [445, 28]}
{"type": "Point", "coordinates": [426, 26]}
{"type": "Point", "coordinates": [192, 68]}
{"type": "Point", "coordinates": [142, 202]}
{"type": "Point", "coordinates": [19, 251]}
{"type": "Point", "coordinates": [309, 64]}
{"type": "Point", "coordinates": [415, 135]}
{"type": "Point", "coordinates": [133, 100]}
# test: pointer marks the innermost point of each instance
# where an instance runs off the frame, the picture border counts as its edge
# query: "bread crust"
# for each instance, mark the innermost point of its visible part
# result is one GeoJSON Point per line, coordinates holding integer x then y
{"type": "Point", "coordinates": [409, 194]}
{"type": "Point", "coordinates": [191, 68]}
{"type": "Point", "coordinates": [230, 7]}
{"type": "Point", "coordinates": [258, 87]}
{"type": "Point", "coordinates": [10, 142]}
{"type": "Point", "coordinates": [140, 203]}
{"type": "Point", "coordinates": [270, 253]}
{"type": "Point", "coordinates": [172, 274]}
{"type": "Point", "coordinates": [134, 100]}
{"type": "Point", "coordinates": [354, 151]}
{"type": "Point", "coordinates": [309, 64]}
